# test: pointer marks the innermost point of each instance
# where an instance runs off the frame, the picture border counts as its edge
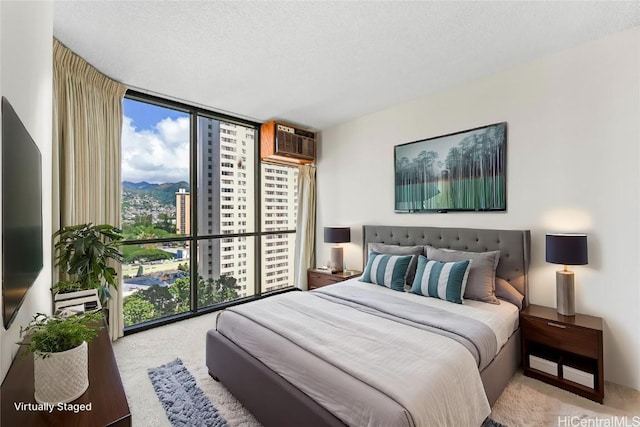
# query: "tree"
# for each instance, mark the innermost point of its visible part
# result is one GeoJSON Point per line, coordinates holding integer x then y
{"type": "Point", "coordinates": [158, 301]}
{"type": "Point", "coordinates": [226, 288]}
{"type": "Point", "coordinates": [137, 310]}
{"type": "Point", "coordinates": [133, 253]}
{"type": "Point", "coordinates": [146, 234]}
{"type": "Point", "coordinates": [144, 220]}
{"type": "Point", "coordinates": [206, 292]}
{"type": "Point", "coordinates": [166, 223]}
{"type": "Point", "coordinates": [210, 292]}
{"type": "Point", "coordinates": [180, 290]}
{"type": "Point", "coordinates": [160, 298]}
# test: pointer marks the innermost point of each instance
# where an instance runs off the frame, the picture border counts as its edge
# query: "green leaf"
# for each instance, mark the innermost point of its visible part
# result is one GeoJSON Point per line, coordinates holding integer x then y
{"type": "Point", "coordinates": [49, 334]}
{"type": "Point", "coordinates": [82, 253]}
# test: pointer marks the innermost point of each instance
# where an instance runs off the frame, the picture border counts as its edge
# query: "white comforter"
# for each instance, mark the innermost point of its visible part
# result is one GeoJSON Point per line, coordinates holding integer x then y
{"type": "Point", "coordinates": [397, 375]}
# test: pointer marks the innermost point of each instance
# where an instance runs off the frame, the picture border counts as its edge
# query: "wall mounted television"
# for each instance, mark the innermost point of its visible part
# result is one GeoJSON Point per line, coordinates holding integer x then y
{"type": "Point", "coordinates": [462, 171]}
{"type": "Point", "coordinates": [21, 212]}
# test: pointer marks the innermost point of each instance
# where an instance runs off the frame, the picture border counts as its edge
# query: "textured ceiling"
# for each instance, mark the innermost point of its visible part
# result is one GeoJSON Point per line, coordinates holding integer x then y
{"type": "Point", "coordinates": [318, 64]}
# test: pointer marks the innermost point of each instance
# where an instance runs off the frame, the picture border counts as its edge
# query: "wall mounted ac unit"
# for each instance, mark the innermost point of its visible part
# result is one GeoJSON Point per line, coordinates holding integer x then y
{"type": "Point", "coordinates": [283, 143]}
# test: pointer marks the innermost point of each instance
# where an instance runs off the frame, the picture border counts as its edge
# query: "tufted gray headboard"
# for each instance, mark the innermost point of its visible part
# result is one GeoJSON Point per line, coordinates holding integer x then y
{"type": "Point", "coordinates": [514, 245]}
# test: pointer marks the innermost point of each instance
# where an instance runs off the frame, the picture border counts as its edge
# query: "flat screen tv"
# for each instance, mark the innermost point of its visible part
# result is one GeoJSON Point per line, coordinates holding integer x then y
{"type": "Point", "coordinates": [21, 212]}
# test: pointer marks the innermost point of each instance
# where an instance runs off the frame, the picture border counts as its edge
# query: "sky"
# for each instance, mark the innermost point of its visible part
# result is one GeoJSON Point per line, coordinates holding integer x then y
{"type": "Point", "coordinates": [155, 143]}
{"type": "Point", "coordinates": [148, 115]}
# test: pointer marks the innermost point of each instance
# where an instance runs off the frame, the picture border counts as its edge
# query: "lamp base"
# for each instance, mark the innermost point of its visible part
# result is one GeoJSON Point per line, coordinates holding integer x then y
{"type": "Point", "coordinates": [336, 259]}
{"type": "Point", "coordinates": [565, 293]}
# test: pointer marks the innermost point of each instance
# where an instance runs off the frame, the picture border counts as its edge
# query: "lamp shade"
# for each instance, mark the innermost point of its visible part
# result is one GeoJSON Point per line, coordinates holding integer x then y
{"type": "Point", "coordinates": [337, 234]}
{"type": "Point", "coordinates": [567, 249]}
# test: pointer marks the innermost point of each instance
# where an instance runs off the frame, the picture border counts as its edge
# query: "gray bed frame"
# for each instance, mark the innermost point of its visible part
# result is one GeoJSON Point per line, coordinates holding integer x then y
{"type": "Point", "coordinates": [276, 402]}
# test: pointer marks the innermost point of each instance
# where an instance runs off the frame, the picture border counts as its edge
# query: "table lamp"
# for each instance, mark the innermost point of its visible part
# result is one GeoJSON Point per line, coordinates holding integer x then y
{"type": "Point", "coordinates": [566, 249]}
{"type": "Point", "coordinates": [337, 235]}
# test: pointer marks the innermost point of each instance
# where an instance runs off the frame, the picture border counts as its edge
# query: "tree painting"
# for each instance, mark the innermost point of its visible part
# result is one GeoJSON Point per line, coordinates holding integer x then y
{"type": "Point", "coordinates": [461, 171]}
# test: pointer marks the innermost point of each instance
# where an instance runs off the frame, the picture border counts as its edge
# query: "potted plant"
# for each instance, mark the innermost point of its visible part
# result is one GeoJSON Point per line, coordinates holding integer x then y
{"type": "Point", "coordinates": [59, 345]}
{"type": "Point", "coordinates": [83, 253]}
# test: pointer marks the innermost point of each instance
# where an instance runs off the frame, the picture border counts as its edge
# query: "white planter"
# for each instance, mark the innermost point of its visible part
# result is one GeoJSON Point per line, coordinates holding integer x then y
{"type": "Point", "coordinates": [61, 377]}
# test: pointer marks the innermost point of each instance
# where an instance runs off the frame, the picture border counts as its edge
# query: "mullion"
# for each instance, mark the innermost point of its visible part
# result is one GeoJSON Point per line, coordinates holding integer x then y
{"type": "Point", "coordinates": [257, 220]}
{"type": "Point", "coordinates": [193, 200]}
{"type": "Point", "coordinates": [193, 239]}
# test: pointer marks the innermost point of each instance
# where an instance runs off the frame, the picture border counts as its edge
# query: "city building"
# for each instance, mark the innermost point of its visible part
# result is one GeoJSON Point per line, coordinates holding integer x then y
{"type": "Point", "coordinates": [279, 208]}
{"type": "Point", "coordinates": [183, 212]}
{"type": "Point", "coordinates": [225, 192]}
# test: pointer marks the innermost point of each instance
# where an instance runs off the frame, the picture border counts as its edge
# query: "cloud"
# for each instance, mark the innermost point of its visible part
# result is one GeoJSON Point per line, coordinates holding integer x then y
{"type": "Point", "coordinates": [173, 131]}
{"type": "Point", "coordinates": [157, 155]}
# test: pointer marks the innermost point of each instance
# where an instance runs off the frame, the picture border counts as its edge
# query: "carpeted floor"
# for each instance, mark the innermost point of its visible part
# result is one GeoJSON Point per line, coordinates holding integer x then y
{"type": "Point", "coordinates": [525, 402]}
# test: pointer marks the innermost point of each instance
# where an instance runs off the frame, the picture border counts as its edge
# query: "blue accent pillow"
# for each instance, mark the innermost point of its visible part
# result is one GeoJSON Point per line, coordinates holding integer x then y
{"type": "Point", "coordinates": [386, 270]}
{"type": "Point", "coordinates": [443, 280]}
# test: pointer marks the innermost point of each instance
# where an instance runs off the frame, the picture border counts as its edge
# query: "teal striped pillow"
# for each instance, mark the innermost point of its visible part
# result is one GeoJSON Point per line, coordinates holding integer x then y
{"type": "Point", "coordinates": [444, 280]}
{"type": "Point", "coordinates": [386, 270]}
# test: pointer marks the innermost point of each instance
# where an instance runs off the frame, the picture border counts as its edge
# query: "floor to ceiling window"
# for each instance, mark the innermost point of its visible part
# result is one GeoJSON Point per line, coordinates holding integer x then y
{"type": "Point", "coordinates": [199, 208]}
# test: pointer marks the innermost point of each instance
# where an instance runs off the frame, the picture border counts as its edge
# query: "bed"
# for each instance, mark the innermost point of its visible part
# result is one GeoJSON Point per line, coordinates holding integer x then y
{"type": "Point", "coordinates": [292, 384]}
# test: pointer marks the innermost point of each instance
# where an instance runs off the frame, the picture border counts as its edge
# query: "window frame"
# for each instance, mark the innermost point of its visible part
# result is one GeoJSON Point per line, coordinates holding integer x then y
{"type": "Point", "coordinates": [193, 238]}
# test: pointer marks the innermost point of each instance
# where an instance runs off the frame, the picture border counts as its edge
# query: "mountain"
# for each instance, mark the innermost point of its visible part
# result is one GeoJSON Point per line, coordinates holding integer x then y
{"type": "Point", "coordinates": [165, 193]}
{"type": "Point", "coordinates": [137, 185]}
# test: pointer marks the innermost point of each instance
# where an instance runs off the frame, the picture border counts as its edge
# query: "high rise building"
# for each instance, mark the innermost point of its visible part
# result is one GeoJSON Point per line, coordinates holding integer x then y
{"type": "Point", "coordinates": [183, 212]}
{"type": "Point", "coordinates": [279, 208]}
{"type": "Point", "coordinates": [225, 184]}
{"type": "Point", "coordinates": [225, 205]}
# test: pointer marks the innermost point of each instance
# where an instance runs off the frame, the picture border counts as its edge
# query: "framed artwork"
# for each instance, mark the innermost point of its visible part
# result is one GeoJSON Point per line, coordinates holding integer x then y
{"type": "Point", "coordinates": [462, 171]}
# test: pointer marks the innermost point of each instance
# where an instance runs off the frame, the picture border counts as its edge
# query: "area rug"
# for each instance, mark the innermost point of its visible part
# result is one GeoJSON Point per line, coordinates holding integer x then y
{"type": "Point", "coordinates": [183, 401]}
{"type": "Point", "coordinates": [491, 423]}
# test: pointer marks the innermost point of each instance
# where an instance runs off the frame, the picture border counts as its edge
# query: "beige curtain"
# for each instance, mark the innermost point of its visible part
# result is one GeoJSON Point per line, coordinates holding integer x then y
{"type": "Point", "coordinates": [87, 127]}
{"type": "Point", "coordinates": [306, 225]}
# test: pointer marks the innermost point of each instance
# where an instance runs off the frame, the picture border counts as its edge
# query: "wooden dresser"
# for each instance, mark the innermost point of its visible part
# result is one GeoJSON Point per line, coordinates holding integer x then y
{"type": "Point", "coordinates": [109, 406]}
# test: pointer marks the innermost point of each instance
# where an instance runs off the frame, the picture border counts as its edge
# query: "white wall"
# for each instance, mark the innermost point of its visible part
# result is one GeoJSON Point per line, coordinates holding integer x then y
{"type": "Point", "coordinates": [572, 165]}
{"type": "Point", "coordinates": [26, 49]}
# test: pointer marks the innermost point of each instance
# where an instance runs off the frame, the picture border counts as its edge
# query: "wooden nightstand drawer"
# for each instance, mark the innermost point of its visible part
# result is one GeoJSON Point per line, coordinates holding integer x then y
{"type": "Point", "coordinates": [319, 278]}
{"type": "Point", "coordinates": [561, 336]}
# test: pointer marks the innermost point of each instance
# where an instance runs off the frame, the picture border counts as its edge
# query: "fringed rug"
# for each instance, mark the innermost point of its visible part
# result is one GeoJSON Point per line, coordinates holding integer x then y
{"type": "Point", "coordinates": [490, 423]}
{"type": "Point", "coordinates": [185, 404]}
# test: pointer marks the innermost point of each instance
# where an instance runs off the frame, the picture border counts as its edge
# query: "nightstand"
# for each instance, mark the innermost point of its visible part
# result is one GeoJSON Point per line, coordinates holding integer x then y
{"type": "Point", "coordinates": [317, 278]}
{"type": "Point", "coordinates": [565, 351]}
